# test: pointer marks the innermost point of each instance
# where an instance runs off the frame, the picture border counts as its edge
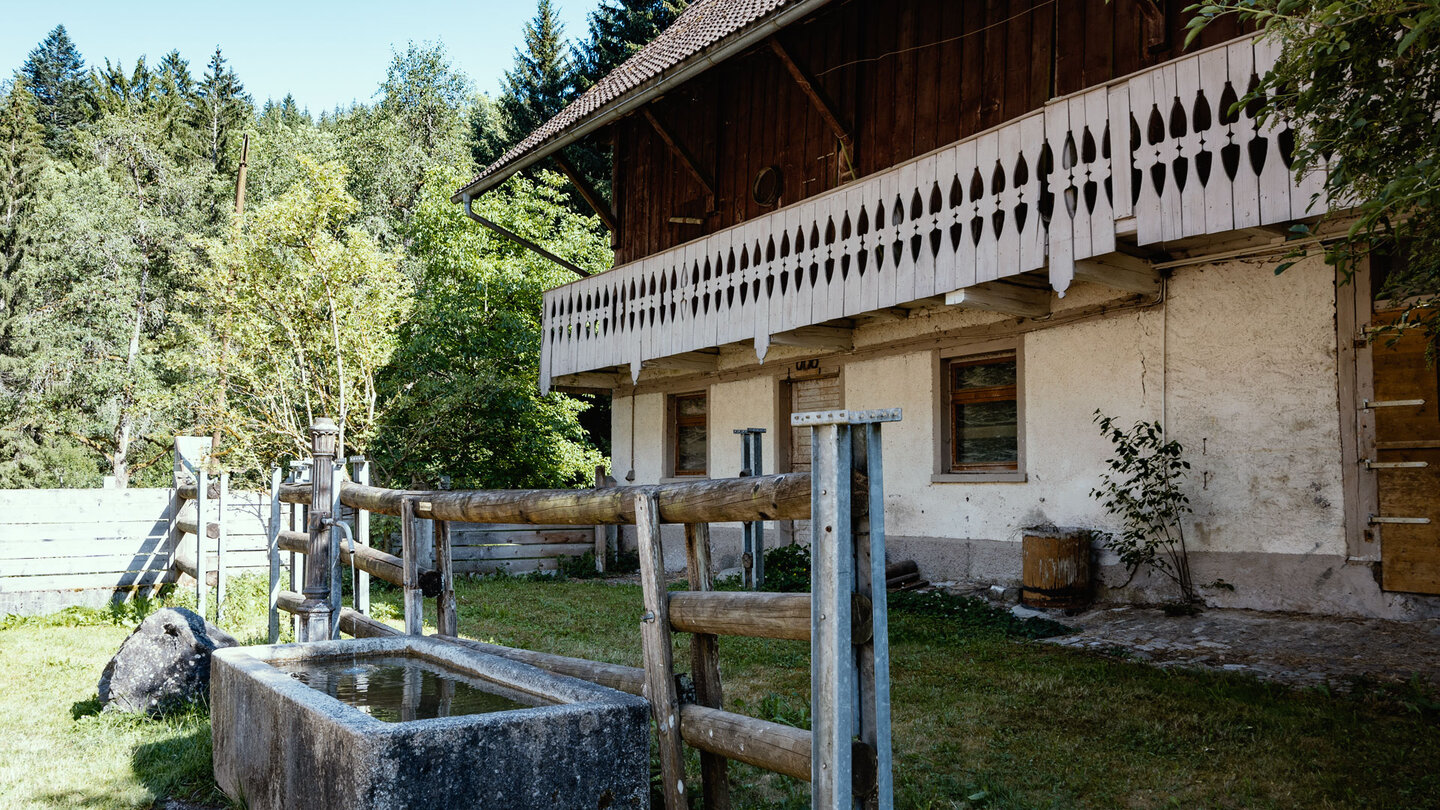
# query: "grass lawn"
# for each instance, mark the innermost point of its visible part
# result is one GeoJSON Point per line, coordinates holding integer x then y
{"type": "Point", "coordinates": [981, 719]}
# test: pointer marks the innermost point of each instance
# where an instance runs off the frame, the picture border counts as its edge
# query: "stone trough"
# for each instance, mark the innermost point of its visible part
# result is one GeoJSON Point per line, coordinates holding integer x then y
{"type": "Point", "coordinates": [542, 740]}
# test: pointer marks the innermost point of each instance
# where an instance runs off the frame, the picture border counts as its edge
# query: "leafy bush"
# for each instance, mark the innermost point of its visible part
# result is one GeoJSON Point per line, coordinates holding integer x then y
{"type": "Point", "coordinates": [787, 569]}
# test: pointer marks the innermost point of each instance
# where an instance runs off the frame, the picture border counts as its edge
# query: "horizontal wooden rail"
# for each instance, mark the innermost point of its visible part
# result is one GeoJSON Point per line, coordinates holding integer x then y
{"type": "Point", "coordinates": [616, 676]}
{"type": "Point", "coordinates": [370, 560]}
{"type": "Point", "coordinates": [184, 562]}
{"type": "Point", "coordinates": [764, 497]}
{"type": "Point", "coordinates": [187, 525]}
{"type": "Point", "coordinates": [186, 492]}
{"type": "Point", "coordinates": [759, 615]}
{"type": "Point", "coordinates": [352, 621]}
{"type": "Point", "coordinates": [772, 746]}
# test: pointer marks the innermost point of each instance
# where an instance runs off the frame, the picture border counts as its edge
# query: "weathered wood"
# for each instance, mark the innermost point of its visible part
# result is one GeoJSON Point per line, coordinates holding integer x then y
{"type": "Point", "coordinates": [414, 605]}
{"type": "Point", "coordinates": [742, 613]}
{"type": "Point", "coordinates": [615, 676]}
{"type": "Point", "coordinates": [591, 197]}
{"type": "Point", "coordinates": [186, 492]}
{"type": "Point", "coordinates": [506, 551]}
{"type": "Point", "coordinates": [705, 664]}
{"type": "Point", "coordinates": [822, 106]}
{"type": "Point", "coordinates": [658, 654]}
{"type": "Point", "coordinates": [683, 155]}
{"type": "Point", "coordinates": [370, 560]}
{"type": "Point", "coordinates": [1003, 297]}
{"type": "Point", "coordinates": [766, 497]}
{"type": "Point", "coordinates": [352, 621]}
{"type": "Point", "coordinates": [761, 743]}
{"type": "Point", "coordinates": [186, 523]}
{"type": "Point", "coordinates": [447, 615]}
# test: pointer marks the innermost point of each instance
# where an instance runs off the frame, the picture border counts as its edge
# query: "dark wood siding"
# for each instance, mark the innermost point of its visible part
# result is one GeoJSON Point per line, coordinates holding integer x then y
{"type": "Point", "coordinates": [906, 77]}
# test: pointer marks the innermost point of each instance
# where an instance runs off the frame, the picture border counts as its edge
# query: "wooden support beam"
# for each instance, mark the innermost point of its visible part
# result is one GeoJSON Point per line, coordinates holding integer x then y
{"type": "Point", "coordinates": [186, 523]}
{"type": "Point", "coordinates": [352, 621]}
{"type": "Point", "coordinates": [592, 381]}
{"type": "Point", "coordinates": [764, 497]}
{"type": "Point", "coordinates": [591, 197]}
{"type": "Point", "coordinates": [807, 86]}
{"type": "Point", "coordinates": [1119, 271]}
{"type": "Point", "coordinates": [1003, 297]}
{"type": "Point", "coordinates": [372, 561]}
{"type": "Point", "coordinates": [819, 337]}
{"type": "Point", "coordinates": [684, 157]}
{"type": "Point", "coordinates": [705, 665]}
{"type": "Point", "coordinates": [186, 492]}
{"type": "Point", "coordinates": [772, 746]}
{"type": "Point", "coordinates": [658, 653]}
{"type": "Point", "coordinates": [414, 604]}
{"type": "Point", "coordinates": [447, 612]}
{"type": "Point", "coordinates": [689, 361]}
{"type": "Point", "coordinates": [742, 613]}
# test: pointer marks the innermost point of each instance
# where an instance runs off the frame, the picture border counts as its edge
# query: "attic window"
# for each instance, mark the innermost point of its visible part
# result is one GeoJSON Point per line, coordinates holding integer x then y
{"type": "Point", "coordinates": [768, 187]}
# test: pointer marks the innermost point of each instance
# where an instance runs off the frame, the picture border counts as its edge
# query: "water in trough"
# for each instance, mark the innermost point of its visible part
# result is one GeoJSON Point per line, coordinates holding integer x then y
{"type": "Point", "coordinates": [398, 689]}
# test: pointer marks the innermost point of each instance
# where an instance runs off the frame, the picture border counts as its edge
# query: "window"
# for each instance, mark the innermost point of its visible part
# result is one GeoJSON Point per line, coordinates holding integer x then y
{"type": "Point", "coordinates": [981, 418]}
{"type": "Point", "coordinates": [687, 434]}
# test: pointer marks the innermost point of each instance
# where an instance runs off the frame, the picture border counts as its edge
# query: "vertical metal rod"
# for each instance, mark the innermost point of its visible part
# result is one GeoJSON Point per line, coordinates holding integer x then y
{"type": "Point", "coordinates": [879, 709]}
{"type": "Point", "coordinates": [299, 473]}
{"type": "Point", "coordinates": [362, 535]}
{"type": "Point", "coordinates": [221, 507]}
{"type": "Point", "coordinates": [757, 528]}
{"type": "Point", "coordinates": [272, 553]}
{"type": "Point", "coordinates": [832, 683]}
{"type": "Point", "coordinates": [202, 528]}
{"type": "Point", "coordinates": [173, 514]}
{"type": "Point", "coordinates": [747, 547]}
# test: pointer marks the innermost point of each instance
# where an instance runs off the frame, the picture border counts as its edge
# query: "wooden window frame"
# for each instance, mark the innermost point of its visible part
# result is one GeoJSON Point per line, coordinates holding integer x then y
{"type": "Point", "coordinates": [945, 471]}
{"type": "Point", "coordinates": [674, 421]}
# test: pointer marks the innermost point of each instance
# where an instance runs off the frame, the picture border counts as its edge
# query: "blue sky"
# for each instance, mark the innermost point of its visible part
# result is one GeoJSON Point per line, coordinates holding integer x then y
{"type": "Point", "coordinates": [325, 53]}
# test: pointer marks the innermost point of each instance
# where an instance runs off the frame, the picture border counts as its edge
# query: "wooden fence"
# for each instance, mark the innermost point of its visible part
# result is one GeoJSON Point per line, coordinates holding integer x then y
{"type": "Point", "coordinates": [514, 548]}
{"type": "Point", "coordinates": [64, 547]}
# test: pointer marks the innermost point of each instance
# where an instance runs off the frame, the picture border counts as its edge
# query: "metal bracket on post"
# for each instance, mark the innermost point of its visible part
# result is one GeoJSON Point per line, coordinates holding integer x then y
{"type": "Point", "coordinates": [361, 474]}
{"type": "Point", "coordinates": [752, 558]}
{"type": "Point", "coordinates": [849, 682]}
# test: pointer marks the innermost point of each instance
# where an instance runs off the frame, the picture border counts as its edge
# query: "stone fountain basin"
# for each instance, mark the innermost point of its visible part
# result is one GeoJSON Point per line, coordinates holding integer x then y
{"type": "Point", "coordinates": [280, 743]}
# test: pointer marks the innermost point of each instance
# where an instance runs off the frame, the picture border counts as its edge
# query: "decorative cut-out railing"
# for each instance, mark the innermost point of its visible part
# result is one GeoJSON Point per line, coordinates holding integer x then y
{"type": "Point", "coordinates": [1046, 189]}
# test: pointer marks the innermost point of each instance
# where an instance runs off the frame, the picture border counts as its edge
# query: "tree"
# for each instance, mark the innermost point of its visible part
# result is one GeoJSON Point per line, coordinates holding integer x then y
{"type": "Point", "coordinates": [306, 306]}
{"type": "Point", "coordinates": [488, 137]}
{"type": "Point", "coordinates": [55, 74]}
{"type": "Point", "coordinates": [1359, 80]}
{"type": "Point", "coordinates": [460, 391]}
{"type": "Point", "coordinates": [175, 103]}
{"type": "Point", "coordinates": [222, 110]}
{"type": "Point", "coordinates": [21, 159]}
{"type": "Point", "coordinates": [542, 81]}
{"type": "Point", "coordinates": [619, 28]}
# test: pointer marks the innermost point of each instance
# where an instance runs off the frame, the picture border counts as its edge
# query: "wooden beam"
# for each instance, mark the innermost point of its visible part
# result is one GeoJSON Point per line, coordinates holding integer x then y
{"type": "Point", "coordinates": [742, 613]}
{"type": "Point", "coordinates": [1121, 272]}
{"type": "Point", "coordinates": [371, 560]}
{"type": "Point", "coordinates": [684, 156]}
{"type": "Point", "coordinates": [1003, 297]}
{"type": "Point", "coordinates": [772, 746]}
{"type": "Point", "coordinates": [656, 650]}
{"type": "Point", "coordinates": [807, 86]}
{"type": "Point", "coordinates": [689, 361]}
{"type": "Point", "coordinates": [588, 194]}
{"type": "Point", "coordinates": [588, 380]}
{"type": "Point", "coordinates": [447, 612]}
{"type": "Point", "coordinates": [822, 337]}
{"type": "Point", "coordinates": [765, 497]}
{"type": "Point", "coordinates": [705, 666]}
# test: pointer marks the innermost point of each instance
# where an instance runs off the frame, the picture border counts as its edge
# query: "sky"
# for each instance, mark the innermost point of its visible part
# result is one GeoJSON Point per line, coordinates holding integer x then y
{"type": "Point", "coordinates": [325, 53]}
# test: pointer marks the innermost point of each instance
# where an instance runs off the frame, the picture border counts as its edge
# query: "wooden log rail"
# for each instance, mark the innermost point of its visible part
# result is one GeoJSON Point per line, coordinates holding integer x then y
{"type": "Point", "coordinates": [372, 561]}
{"type": "Point", "coordinates": [186, 492]}
{"type": "Point", "coordinates": [755, 614]}
{"type": "Point", "coordinates": [766, 497]}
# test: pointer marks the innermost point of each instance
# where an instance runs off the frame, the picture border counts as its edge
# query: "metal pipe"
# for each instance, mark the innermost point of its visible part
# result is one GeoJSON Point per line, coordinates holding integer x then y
{"type": "Point", "coordinates": [336, 604]}
{"type": "Point", "coordinates": [523, 242]}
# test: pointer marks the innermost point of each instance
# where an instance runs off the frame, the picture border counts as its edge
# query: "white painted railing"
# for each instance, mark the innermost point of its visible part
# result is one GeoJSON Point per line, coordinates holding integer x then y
{"type": "Point", "coordinates": [1046, 189]}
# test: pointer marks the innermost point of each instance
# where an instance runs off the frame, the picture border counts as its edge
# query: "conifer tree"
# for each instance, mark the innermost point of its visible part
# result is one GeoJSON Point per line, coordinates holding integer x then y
{"type": "Point", "coordinates": [175, 101]}
{"type": "Point", "coordinates": [21, 159]}
{"type": "Point", "coordinates": [488, 137]}
{"type": "Point", "coordinates": [55, 74]}
{"type": "Point", "coordinates": [223, 109]}
{"type": "Point", "coordinates": [542, 81]}
{"type": "Point", "coordinates": [619, 28]}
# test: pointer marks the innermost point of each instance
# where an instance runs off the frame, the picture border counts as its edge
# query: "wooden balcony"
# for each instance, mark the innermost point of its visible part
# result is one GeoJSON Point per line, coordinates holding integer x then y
{"type": "Point", "coordinates": [1154, 157]}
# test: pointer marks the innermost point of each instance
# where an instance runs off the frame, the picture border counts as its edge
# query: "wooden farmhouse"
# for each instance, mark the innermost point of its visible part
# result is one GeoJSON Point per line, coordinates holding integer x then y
{"type": "Point", "coordinates": [1000, 216]}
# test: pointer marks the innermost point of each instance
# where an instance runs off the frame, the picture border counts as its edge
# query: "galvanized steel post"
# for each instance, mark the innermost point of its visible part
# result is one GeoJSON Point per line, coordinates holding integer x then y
{"type": "Point", "coordinates": [850, 675]}
{"type": "Point", "coordinates": [752, 559]}
{"type": "Point", "coordinates": [272, 553]}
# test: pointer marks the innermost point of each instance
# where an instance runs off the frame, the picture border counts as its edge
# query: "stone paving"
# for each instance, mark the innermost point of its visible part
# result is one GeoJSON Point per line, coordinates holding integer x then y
{"type": "Point", "coordinates": [1295, 649]}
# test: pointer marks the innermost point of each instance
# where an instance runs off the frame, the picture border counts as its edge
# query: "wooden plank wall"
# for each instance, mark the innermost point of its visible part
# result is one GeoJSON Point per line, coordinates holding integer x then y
{"type": "Point", "coordinates": [486, 548]}
{"type": "Point", "coordinates": [907, 76]}
{"type": "Point", "coordinates": [63, 547]}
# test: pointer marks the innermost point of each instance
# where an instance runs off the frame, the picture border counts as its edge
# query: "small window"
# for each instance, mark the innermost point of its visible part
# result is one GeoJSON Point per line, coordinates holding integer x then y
{"type": "Point", "coordinates": [984, 414]}
{"type": "Point", "coordinates": [688, 433]}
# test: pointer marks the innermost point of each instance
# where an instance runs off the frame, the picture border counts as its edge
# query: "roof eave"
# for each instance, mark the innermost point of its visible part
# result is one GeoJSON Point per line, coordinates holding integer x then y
{"type": "Point", "coordinates": [644, 93]}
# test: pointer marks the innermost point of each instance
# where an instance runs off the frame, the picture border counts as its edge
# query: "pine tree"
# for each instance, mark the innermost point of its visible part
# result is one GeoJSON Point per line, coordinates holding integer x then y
{"type": "Point", "coordinates": [21, 159]}
{"type": "Point", "coordinates": [55, 74]}
{"type": "Point", "coordinates": [619, 28]}
{"type": "Point", "coordinates": [488, 137]}
{"type": "Point", "coordinates": [174, 104]}
{"type": "Point", "coordinates": [223, 109]}
{"type": "Point", "coordinates": [542, 81]}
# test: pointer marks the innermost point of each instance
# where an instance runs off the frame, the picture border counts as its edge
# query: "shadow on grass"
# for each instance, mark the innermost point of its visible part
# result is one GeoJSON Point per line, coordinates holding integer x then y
{"type": "Point", "coordinates": [85, 708]}
{"type": "Point", "coordinates": [180, 767]}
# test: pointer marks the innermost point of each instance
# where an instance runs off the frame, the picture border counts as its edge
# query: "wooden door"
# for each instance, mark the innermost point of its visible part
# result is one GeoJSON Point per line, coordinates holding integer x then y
{"type": "Point", "coordinates": [816, 394]}
{"type": "Point", "coordinates": [1406, 461]}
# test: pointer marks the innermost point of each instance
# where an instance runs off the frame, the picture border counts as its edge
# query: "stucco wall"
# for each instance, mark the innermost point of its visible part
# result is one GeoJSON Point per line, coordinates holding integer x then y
{"type": "Point", "coordinates": [1240, 365]}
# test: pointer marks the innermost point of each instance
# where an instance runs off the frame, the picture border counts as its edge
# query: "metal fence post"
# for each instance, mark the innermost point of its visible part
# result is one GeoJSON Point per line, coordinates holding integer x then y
{"type": "Point", "coordinates": [299, 474]}
{"type": "Point", "coordinates": [849, 682]}
{"type": "Point", "coordinates": [202, 528]}
{"type": "Point", "coordinates": [362, 535]}
{"type": "Point", "coordinates": [272, 553]}
{"type": "Point", "coordinates": [220, 508]}
{"type": "Point", "coordinates": [752, 558]}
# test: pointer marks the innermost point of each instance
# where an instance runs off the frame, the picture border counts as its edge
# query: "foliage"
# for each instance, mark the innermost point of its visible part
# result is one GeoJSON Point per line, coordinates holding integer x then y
{"type": "Point", "coordinates": [1142, 489]}
{"type": "Point", "coordinates": [1359, 80]}
{"type": "Point", "coordinates": [581, 567]}
{"type": "Point", "coordinates": [462, 385]}
{"type": "Point", "coordinates": [488, 136]}
{"type": "Point", "coordinates": [542, 81]}
{"type": "Point", "coordinates": [938, 613]}
{"type": "Point", "coordinates": [617, 30]}
{"type": "Point", "coordinates": [222, 109]}
{"type": "Point", "coordinates": [300, 310]}
{"type": "Point", "coordinates": [787, 569]}
{"type": "Point", "coordinates": [55, 73]}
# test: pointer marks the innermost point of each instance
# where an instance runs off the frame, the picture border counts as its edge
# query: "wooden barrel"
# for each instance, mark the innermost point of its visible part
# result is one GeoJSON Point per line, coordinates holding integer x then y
{"type": "Point", "coordinates": [1056, 568]}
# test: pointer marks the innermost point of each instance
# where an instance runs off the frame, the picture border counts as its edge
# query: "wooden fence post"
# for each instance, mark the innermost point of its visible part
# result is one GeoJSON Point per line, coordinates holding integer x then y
{"type": "Point", "coordinates": [409, 541]}
{"type": "Point", "coordinates": [705, 665]}
{"type": "Point", "coordinates": [659, 657]}
{"type": "Point", "coordinates": [447, 618]}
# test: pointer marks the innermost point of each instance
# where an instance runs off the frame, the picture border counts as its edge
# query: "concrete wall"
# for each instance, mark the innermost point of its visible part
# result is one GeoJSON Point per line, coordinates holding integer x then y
{"type": "Point", "coordinates": [1240, 364]}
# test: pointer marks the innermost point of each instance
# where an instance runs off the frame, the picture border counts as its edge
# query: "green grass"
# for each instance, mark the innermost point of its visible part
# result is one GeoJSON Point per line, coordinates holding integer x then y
{"type": "Point", "coordinates": [983, 717]}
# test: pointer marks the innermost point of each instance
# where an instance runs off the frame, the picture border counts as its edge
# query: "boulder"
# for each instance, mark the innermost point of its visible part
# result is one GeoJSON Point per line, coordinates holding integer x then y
{"type": "Point", "coordinates": [164, 665]}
